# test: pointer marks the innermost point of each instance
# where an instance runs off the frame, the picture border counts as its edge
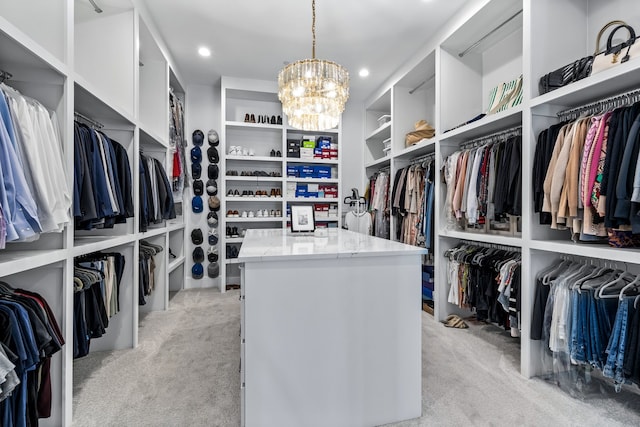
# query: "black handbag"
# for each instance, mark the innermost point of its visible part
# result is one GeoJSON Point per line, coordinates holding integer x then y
{"type": "Point", "coordinates": [570, 73]}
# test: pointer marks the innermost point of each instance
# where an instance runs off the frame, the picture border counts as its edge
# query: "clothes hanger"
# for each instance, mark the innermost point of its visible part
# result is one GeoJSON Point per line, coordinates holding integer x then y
{"type": "Point", "coordinates": [612, 284]}
{"type": "Point", "coordinates": [634, 284]}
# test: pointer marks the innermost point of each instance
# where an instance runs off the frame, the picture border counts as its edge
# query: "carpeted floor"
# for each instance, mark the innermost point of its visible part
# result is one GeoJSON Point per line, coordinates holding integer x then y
{"type": "Point", "coordinates": [185, 373]}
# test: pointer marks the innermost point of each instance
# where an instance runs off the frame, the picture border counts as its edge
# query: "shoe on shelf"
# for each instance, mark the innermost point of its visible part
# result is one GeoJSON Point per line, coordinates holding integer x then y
{"type": "Point", "coordinates": [273, 193]}
{"type": "Point", "coordinates": [243, 232]}
{"type": "Point", "coordinates": [259, 214]}
{"type": "Point", "coordinates": [250, 193]}
{"type": "Point", "coordinates": [278, 192]}
{"type": "Point", "coordinates": [278, 213]}
{"type": "Point", "coordinates": [252, 214]}
{"type": "Point", "coordinates": [230, 193]}
{"type": "Point", "coordinates": [273, 120]}
{"type": "Point", "coordinates": [228, 230]}
{"type": "Point", "coordinates": [252, 152]}
{"type": "Point", "coordinates": [246, 118]}
{"type": "Point", "coordinates": [234, 232]}
{"type": "Point", "coordinates": [244, 193]}
{"type": "Point", "coordinates": [272, 213]}
{"type": "Point", "coordinates": [236, 193]}
{"type": "Point", "coordinates": [244, 214]}
{"type": "Point", "coordinates": [253, 118]}
{"type": "Point", "coordinates": [265, 213]}
{"type": "Point", "coordinates": [273, 153]}
{"type": "Point", "coordinates": [279, 120]}
{"type": "Point", "coordinates": [229, 213]}
{"type": "Point", "coordinates": [236, 214]}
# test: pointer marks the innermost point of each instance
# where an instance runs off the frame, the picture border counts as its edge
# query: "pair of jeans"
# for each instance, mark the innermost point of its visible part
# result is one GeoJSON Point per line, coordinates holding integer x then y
{"type": "Point", "coordinates": [616, 347]}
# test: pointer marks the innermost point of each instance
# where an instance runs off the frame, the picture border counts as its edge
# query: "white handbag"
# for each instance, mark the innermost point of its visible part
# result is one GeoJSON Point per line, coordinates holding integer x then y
{"type": "Point", "coordinates": [618, 54]}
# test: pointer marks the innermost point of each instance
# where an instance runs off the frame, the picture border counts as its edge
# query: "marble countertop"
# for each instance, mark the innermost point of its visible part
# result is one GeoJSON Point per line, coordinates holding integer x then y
{"type": "Point", "coordinates": [280, 244]}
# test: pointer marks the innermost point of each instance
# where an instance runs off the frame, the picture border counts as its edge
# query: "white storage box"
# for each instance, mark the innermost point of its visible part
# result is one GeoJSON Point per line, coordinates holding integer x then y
{"type": "Point", "coordinates": [386, 118]}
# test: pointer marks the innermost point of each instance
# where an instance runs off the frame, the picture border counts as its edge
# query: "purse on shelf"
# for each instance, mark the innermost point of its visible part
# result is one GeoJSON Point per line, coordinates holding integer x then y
{"type": "Point", "coordinates": [505, 95]}
{"type": "Point", "coordinates": [423, 131]}
{"type": "Point", "coordinates": [577, 70]}
{"type": "Point", "coordinates": [618, 54]}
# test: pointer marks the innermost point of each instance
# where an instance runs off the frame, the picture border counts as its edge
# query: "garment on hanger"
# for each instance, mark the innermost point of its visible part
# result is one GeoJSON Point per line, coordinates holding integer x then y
{"type": "Point", "coordinates": [486, 280]}
{"type": "Point", "coordinates": [590, 321]}
{"type": "Point", "coordinates": [177, 142]}
{"type": "Point", "coordinates": [34, 195]}
{"type": "Point", "coordinates": [586, 177]}
{"type": "Point", "coordinates": [146, 269]}
{"type": "Point", "coordinates": [103, 184]}
{"type": "Point", "coordinates": [360, 222]}
{"type": "Point", "coordinates": [29, 337]}
{"type": "Point", "coordinates": [484, 183]}
{"type": "Point", "coordinates": [96, 280]}
{"type": "Point", "coordinates": [379, 204]}
{"type": "Point", "coordinates": [156, 199]}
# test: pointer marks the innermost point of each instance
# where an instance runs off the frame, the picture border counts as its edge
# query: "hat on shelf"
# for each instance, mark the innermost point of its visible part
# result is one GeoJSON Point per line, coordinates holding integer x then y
{"type": "Point", "coordinates": [212, 136]}
{"type": "Point", "coordinates": [213, 171]}
{"type": "Point", "coordinates": [214, 203]}
{"type": "Point", "coordinates": [196, 204]}
{"type": "Point", "coordinates": [197, 271]}
{"type": "Point", "coordinates": [212, 254]}
{"type": "Point", "coordinates": [213, 236]}
{"type": "Point", "coordinates": [198, 187]}
{"type": "Point", "coordinates": [197, 137]}
{"type": "Point", "coordinates": [212, 187]}
{"type": "Point", "coordinates": [196, 236]}
{"type": "Point", "coordinates": [196, 170]}
{"type": "Point", "coordinates": [213, 270]}
{"type": "Point", "coordinates": [196, 154]}
{"type": "Point", "coordinates": [198, 254]}
{"type": "Point", "coordinates": [212, 219]}
{"type": "Point", "coordinates": [212, 154]}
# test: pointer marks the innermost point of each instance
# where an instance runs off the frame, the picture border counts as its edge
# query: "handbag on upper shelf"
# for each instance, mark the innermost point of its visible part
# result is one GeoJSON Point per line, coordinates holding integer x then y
{"type": "Point", "coordinates": [577, 70]}
{"type": "Point", "coordinates": [618, 54]}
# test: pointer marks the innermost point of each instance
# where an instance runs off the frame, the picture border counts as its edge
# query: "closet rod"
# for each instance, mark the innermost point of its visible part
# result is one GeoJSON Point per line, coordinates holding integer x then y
{"type": "Point", "coordinates": [4, 76]}
{"type": "Point", "coordinates": [615, 101]}
{"type": "Point", "coordinates": [514, 131]}
{"type": "Point", "coordinates": [96, 8]}
{"type": "Point", "coordinates": [491, 245]}
{"type": "Point", "coordinates": [423, 158]}
{"type": "Point", "coordinates": [424, 82]}
{"type": "Point", "coordinates": [467, 50]}
{"type": "Point", "coordinates": [88, 120]}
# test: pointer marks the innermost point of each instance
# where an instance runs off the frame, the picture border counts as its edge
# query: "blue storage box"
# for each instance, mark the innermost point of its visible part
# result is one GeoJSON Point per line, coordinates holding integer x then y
{"type": "Point", "coordinates": [293, 171]}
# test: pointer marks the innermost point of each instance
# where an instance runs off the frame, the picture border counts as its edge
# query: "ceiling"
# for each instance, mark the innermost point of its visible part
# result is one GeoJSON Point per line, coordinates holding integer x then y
{"type": "Point", "coordinates": [254, 38]}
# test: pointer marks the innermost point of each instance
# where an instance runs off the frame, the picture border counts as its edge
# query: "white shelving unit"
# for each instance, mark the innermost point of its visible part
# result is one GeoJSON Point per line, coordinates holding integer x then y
{"type": "Point", "coordinates": [73, 60]}
{"type": "Point", "coordinates": [456, 89]}
{"type": "Point", "coordinates": [253, 97]}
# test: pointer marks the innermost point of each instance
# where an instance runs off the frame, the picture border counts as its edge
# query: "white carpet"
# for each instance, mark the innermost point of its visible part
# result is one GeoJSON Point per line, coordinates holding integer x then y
{"type": "Point", "coordinates": [185, 373]}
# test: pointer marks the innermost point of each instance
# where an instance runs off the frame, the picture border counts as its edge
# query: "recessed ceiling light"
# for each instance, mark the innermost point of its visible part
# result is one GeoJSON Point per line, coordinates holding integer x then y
{"type": "Point", "coordinates": [363, 72]}
{"type": "Point", "coordinates": [204, 51]}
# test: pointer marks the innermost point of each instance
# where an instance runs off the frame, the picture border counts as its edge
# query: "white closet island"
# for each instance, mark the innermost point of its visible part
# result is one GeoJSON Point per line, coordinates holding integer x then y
{"type": "Point", "coordinates": [330, 329]}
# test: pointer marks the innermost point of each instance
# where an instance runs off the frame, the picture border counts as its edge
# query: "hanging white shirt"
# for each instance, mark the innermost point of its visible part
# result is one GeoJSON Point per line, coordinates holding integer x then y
{"type": "Point", "coordinates": [360, 223]}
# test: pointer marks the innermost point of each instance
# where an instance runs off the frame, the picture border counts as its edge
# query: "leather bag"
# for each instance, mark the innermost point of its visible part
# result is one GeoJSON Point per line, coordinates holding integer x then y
{"type": "Point", "coordinates": [618, 54]}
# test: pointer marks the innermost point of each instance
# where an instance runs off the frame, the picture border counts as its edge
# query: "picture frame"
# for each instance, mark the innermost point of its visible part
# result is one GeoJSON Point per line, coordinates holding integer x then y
{"type": "Point", "coordinates": [302, 218]}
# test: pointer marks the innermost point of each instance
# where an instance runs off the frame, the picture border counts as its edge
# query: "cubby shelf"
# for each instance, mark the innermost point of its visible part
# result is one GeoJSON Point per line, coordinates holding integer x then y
{"type": "Point", "coordinates": [245, 125]}
{"type": "Point", "coordinates": [482, 237]}
{"type": "Point", "coordinates": [176, 263]}
{"type": "Point", "coordinates": [380, 134]}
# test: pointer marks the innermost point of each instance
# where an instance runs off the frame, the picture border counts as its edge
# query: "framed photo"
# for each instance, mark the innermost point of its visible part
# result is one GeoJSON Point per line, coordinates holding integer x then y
{"type": "Point", "coordinates": [302, 218]}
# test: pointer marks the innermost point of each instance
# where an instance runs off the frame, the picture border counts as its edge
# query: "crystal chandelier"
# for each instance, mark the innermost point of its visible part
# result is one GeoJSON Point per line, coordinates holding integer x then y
{"type": "Point", "coordinates": [313, 91]}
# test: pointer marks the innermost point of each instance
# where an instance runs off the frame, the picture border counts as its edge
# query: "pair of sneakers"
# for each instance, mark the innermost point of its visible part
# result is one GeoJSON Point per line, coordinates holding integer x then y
{"type": "Point", "coordinates": [237, 150]}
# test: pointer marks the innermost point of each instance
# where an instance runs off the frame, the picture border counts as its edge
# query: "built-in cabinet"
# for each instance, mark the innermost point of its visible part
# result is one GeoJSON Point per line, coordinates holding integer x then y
{"type": "Point", "coordinates": [492, 42]}
{"type": "Point", "coordinates": [259, 174]}
{"type": "Point", "coordinates": [111, 68]}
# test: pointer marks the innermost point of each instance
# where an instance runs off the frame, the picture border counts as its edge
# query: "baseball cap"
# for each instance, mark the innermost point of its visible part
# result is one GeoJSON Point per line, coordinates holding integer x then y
{"type": "Point", "coordinates": [213, 270]}
{"type": "Point", "coordinates": [213, 171]}
{"type": "Point", "coordinates": [198, 254]}
{"type": "Point", "coordinates": [212, 254]}
{"type": "Point", "coordinates": [196, 170]}
{"type": "Point", "coordinates": [196, 236]}
{"type": "Point", "coordinates": [212, 136]}
{"type": "Point", "coordinates": [196, 154]}
{"type": "Point", "coordinates": [212, 187]}
{"type": "Point", "coordinates": [197, 137]}
{"type": "Point", "coordinates": [214, 203]}
{"type": "Point", "coordinates": [212, 219]}
{"type": "Point", "coordinates": [213, 236]}
{"type": "Point", "coordinates": [197, 271]}
{"type": "Point", "coordinates": [196, 204]}
{"type": "Point", "coordinates": [212, 154]}
{"type": "Point", "coordinates": [198, 187]}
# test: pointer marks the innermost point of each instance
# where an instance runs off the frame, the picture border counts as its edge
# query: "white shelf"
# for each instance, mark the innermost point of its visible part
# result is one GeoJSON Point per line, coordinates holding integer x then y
{"type": "Point", "coordinates": [149, 137]}
{"type": "Point", "coordinates": [152, 232]}
{"type": "Point", "coordinates": [171, 226]}
{"type": "Point", "coordinates": [255, 159]}
{"type": "Point", "coordinates": [327, 132]}
{"type": "Point", "coordinates": [245, 125]}
{"type": "Point", "coordinates": [486, 125]}
{"type": "Point", "coordinates": [253, 178]}
{"type": "Point", "coordinates": [255, 219]}
{"type": "Point", "coordinates": [597, 251]}
{"type": "Point", "coordinates": [483, 237]}
{"type": "Point", "coordinates": [253, 199]}
{"type": "Point", "coordinates": [380, 134]}
{"type": "Point", "coordinates": [380, 163]}
{"type": "Point", "coordinates": [89, 244]}
{"type": "Point", "coordinates": [313, 199]}
{"type": "Point", "coordinates": [234, 240]}
{"type": "Point", "coordinates": [176, 263]}
{"type": "Point", "coordinates": [312, 161]}
{"type": "Point", "coordinates": [314, 180]}
{"type": "Point", "coordinates": [92, 103]}
{"type": "Point", "coordinates": [12, 262]}
{"type": "Point", "coordinates": [423, 147]}
{"type": "Point", "coordinates": [232, 261]}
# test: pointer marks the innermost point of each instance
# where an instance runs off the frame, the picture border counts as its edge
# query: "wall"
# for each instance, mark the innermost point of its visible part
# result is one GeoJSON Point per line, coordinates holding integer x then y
{"type": "Point", "coordinates": [203, 112]}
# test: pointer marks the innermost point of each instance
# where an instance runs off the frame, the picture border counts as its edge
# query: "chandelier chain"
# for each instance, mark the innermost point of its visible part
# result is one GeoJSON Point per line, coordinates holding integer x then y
{"type": "Point", "coordinates": [313, 28]}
